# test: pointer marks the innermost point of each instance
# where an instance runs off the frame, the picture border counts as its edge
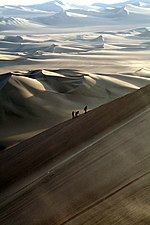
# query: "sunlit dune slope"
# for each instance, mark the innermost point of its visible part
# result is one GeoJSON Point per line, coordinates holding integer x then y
{"type": "Point", "coordinates": [94, 169]}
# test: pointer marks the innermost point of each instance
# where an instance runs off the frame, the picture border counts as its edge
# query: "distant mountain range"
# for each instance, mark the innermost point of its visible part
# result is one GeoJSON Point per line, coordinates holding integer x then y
{"type": "Point", "coordinates": [143, 3]}
{"type": "Point", "coordinates": [59, 13]}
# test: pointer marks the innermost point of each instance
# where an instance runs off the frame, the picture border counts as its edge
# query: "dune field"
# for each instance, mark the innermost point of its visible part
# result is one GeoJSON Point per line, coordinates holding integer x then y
{"type": "Point", "coordinates": [32, 101]}
{"type": "Point", "coordinates": [55, 58]}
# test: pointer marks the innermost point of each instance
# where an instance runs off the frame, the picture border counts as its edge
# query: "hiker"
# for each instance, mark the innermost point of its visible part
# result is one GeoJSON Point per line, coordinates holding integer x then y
{"type": "Point", "coordinates": [85, 109]}
{"type": "Point", "coordinates": [73, 114]}
{"type": "Point", "coordinates": [76, 113]}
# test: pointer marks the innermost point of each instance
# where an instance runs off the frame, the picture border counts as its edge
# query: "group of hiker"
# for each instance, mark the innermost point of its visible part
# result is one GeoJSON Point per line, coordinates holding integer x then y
{"type": "Point", "coordinates": [75, 114]}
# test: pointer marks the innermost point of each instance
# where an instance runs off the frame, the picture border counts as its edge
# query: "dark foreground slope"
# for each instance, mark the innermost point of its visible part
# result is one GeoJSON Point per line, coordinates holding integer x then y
{"type": "Point", "coordinates": [94, 169]}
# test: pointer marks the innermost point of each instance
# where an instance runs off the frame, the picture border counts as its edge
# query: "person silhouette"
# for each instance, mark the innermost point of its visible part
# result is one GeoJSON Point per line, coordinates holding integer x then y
{"type": "Point", "coordinates": [76, 113]}
{"type": "Point", "coordinates": [85, 109]}
{"type": "Point", "coordinates": [73, 114]}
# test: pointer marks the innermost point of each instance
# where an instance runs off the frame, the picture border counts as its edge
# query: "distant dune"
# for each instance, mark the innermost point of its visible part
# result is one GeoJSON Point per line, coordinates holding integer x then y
{"type": "Point", "coordinates": [94, 169]}
{"type": "Point", "coordinates": [106, 51]}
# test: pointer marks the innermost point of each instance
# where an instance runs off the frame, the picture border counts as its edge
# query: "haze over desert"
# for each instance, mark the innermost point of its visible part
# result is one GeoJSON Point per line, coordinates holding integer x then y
{"type": "Point", "coordinates": [55, 58]}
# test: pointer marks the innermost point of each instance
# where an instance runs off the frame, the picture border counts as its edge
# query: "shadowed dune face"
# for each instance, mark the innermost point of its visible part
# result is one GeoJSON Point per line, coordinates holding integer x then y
{"type": "Point", "coordinates": [31, 101]}
{"type": "Point", "coordinates": [99, 167]}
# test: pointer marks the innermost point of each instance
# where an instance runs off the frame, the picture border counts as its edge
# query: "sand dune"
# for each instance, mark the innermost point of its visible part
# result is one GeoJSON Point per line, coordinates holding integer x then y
{"type": "Point", "coordinates": [93, 174]}
{"type": "Point", "coordinates": [34, 100]}
{"type": "Point", "coordinates": [10, 38]}
{"type": "Point", "coordinates": [108, 52]}
{"type": "Point", "coordinates": [143, 72]}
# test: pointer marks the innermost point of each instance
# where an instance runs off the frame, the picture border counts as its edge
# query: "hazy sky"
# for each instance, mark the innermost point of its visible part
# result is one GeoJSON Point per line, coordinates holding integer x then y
{"type": "Point", "coordinates": [28, 2]}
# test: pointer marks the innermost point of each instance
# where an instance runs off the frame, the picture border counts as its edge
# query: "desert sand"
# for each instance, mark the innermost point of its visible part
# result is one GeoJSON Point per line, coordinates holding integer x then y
{"type": "Point", "coordinates": [46, 76]}
{"type": "Point", "coordinates": [98, 171]}
{"type": "Point", "coordinates": [55, 58]}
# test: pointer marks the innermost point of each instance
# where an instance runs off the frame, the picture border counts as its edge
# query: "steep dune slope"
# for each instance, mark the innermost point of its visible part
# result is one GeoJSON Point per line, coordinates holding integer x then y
{"type": "Point", "coordinates": [94, 169]}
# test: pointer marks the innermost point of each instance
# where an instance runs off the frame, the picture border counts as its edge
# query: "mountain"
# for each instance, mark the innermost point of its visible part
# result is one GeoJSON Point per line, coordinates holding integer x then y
{"type": "Point", "coordinates": [144, 3]}
{"type": "Point", "coordinates": [20, 12]}
{"type": "Point", "coordinates": [116, 12]}
{"type": "Point", "coordinates": [55, 6]}
{"type": "Point", "coordinates": [58, 13]}
{"type": "Point", "coordinates": [12, 23]}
